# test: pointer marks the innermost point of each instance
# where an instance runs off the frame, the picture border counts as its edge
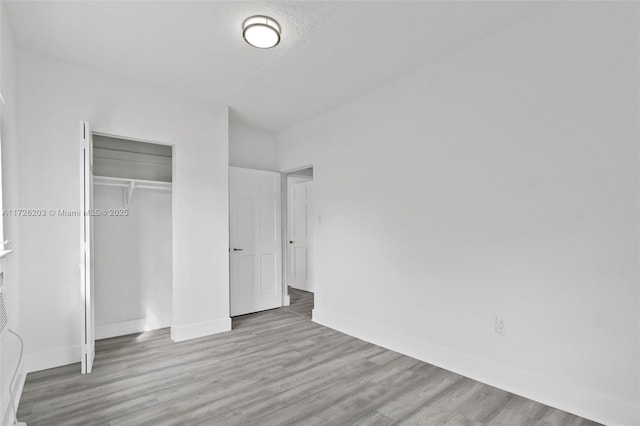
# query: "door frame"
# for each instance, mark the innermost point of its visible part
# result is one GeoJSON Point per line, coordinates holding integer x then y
{"type": "Point", "coordinates": [87, 285]}
{"type": "Point", "coordinates": [286, 299]}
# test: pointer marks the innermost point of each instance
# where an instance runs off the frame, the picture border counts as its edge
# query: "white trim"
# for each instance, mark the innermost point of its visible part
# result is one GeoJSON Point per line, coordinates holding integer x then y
{"type": "Point", "coordinates": [564, 396]}
{"type": "Point", "coordinates": [52, 358]}
{"type": "Point", "coordinates": [181, 333]}
{"type": "Point", "coordinates": [122, 328]}
{"type": "Point", "coordinates": [286, 299]}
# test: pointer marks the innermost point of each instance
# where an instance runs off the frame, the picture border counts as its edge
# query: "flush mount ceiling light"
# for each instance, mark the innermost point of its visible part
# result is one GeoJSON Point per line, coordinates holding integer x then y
{"type": "Point", "coordinates": [261, 31]}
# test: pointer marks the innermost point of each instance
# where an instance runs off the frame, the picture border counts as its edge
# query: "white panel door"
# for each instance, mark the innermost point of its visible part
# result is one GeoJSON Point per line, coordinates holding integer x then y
{"type": "Point", "coordinates": [300, 235]}
{"type": "Point", "coordinates": [88, 343]}
{"type": "Point", "coordinates": [254, 241]}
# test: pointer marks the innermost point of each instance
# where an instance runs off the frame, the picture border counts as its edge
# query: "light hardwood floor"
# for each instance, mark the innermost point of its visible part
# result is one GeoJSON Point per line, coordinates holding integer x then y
{"type": "Point", "coordinates": [275, 368]}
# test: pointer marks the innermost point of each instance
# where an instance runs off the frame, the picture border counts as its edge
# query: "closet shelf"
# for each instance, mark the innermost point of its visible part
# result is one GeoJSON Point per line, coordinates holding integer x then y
{"type": "Point", "coordinates": [131, 184]}
{"type": "Point", "coordinates": [125, 183]}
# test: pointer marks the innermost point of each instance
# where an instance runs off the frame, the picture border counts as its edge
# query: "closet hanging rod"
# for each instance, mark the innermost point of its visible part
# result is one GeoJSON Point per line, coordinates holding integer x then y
{"type": "Point", "coordinates": [128, 182]}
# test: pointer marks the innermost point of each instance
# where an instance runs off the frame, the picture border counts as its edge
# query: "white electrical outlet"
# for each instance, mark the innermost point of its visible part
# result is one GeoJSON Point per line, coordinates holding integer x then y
{"type": "Point", "coordinates": [501, 325]}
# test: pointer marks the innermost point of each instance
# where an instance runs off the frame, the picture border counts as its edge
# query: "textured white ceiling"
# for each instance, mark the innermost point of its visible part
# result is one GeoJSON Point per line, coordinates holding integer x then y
{"type": "Point", "coordinates": [331, 52]}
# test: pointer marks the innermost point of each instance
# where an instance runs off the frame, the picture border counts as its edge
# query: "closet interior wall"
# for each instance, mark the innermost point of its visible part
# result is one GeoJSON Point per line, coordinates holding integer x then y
{"type": "Point", "coordinates": [132, 246]}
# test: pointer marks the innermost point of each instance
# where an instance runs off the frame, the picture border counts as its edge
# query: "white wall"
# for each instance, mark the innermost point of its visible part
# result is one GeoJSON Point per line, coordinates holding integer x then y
{"type": "Point", "coordinates": [252, 149]}
{"type": "Point", "coordinates": [54, 96]}
{"type": "Point", "coordinates": [502, 180]}
{"type": "Point", "coordinates": [10, 166]}
{"type": "Point", "coordinates": [132, 256]}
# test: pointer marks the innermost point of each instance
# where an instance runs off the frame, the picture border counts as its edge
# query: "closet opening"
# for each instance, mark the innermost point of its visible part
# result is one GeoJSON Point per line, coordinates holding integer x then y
{"type": "Point", "coordinates": [132, 235]}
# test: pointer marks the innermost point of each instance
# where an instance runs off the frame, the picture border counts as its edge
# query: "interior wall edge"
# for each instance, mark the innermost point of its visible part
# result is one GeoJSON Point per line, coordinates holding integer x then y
{"type": "Point", "coordinates": [578, 401]}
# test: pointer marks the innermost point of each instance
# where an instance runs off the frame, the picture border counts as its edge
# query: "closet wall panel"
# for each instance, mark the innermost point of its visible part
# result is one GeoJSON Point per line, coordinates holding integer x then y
{"type": "Point", "coordinates": [134, 262]}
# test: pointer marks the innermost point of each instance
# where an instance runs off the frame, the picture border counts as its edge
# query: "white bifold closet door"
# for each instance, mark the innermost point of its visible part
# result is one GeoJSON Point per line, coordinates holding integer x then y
{"type": "Point", "coordinates": [88, 342]}
{"type": "Point", "coordinates": [255, 240]}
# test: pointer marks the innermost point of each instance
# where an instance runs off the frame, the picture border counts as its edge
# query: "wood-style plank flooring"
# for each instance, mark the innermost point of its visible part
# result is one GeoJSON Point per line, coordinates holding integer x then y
{"type": "Point", "coordinates": [301, 302]}
{"type": "Point", "coordinates": [275, 368]}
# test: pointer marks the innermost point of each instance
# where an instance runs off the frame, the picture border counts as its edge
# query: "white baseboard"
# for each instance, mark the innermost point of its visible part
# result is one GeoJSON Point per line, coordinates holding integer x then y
{"type": "Point", "coordinates": [308, 288]}
{"type": "Point", "coordinates": [193, 331]}
{"type": "Point", "coordinates": [287, 300]}
{"type": "Point", "coordinates": [52, 358]}
{"type": "Point", "coordinates": [579, 401]}
{"type": "Point", "coordinates": [123, 328]}
{"type": "Point", "coordinates": [69, 355]}
{"type": "Point", "coordinates": [18, 386]}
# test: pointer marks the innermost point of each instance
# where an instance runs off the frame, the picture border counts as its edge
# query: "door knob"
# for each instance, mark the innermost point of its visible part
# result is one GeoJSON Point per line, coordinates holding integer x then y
{"type": "Point", "coordinates": [236, 249]}
{"type": "Point", "coordinates": [290, 242]}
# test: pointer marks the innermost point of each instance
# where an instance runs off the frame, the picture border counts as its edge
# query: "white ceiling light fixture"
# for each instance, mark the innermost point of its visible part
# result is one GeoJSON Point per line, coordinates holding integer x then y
{"type": "Point", "coordinates": [261, 31]}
